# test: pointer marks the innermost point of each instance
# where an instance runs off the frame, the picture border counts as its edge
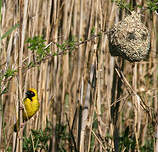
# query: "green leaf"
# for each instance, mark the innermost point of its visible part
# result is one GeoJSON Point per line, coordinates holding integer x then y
{"type": "Point", "coordinates": [10, 31]}
{"type": "Point", "coordinates": [9, 73]}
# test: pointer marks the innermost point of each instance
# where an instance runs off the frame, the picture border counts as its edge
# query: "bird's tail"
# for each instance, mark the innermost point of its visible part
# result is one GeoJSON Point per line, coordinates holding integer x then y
{"type": "Point", "coordinates": [16, 126]}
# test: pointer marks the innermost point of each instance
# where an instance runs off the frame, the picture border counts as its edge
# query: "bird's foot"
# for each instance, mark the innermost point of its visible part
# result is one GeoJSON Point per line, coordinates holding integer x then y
{"type": "Point", "coordinates": [21, 108]}
{"type": "Point", "coordinates": [22, 125]}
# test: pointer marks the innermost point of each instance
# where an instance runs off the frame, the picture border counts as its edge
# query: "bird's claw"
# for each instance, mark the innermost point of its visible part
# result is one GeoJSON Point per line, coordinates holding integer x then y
{"type": "Point", "coordinates": [22, 125]}
{"type": "Point", "coordinates": [21, 108]}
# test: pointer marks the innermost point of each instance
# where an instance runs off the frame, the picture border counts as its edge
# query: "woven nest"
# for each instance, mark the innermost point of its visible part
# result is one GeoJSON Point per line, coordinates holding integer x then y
{"type": "Point", "coordinates": [130, 39]}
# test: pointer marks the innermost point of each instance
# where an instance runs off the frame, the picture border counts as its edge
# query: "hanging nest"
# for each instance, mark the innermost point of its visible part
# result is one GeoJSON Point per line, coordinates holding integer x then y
{"type": "Point", "coordinates": [130, 39]}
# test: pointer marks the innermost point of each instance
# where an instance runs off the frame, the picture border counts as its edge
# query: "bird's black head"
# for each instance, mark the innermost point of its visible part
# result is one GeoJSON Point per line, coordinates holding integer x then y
{"type": "Point", "coordinates": [30, 94]}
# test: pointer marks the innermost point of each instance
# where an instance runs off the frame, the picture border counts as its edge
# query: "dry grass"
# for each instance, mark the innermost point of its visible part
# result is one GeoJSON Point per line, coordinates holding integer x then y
{"type": "Point", "coordinates": [96, 95]}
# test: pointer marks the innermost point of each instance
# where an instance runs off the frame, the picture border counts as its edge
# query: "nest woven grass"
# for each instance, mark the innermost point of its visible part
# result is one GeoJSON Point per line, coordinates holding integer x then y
{"type": "Point", "coordinates": [130, 39]}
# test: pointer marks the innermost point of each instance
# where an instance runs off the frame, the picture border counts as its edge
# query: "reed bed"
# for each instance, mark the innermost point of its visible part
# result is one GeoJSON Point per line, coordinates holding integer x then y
{"type": "Point", "coordinates": [97, 102]}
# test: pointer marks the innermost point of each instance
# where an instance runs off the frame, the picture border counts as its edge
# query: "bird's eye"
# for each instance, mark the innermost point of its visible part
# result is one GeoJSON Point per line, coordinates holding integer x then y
{"type": "Point", "coordinates": [30, 94]}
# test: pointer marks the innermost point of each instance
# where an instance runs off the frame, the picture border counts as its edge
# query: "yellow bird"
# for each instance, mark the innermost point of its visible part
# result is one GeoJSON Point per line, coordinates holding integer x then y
{"type": "Point", "coordinates": [31, 106]}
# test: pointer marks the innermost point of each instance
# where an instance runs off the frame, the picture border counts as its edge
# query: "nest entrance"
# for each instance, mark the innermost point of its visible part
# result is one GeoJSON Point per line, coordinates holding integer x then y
{"type": "Point", "coordinates": [130, 39]}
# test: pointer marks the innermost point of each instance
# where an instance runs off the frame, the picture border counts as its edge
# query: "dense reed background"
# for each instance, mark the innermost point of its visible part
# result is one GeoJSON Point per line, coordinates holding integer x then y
{"type": "Point", "coordinates": [91, 101]}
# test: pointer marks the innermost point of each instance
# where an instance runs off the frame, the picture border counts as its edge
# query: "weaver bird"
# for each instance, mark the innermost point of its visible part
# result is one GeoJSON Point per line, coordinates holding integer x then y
{"type": "Point", "coordinates": [31, 106]}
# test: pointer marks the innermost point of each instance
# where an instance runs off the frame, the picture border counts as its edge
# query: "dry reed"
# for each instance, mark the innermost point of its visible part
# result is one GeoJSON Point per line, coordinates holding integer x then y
{"type": "Point", "coordinates": [96, 95]}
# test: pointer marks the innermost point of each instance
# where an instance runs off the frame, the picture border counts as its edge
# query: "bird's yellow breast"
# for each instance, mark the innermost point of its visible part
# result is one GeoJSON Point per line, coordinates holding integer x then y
{"type": "Point", "coordinates": [30, 107]}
